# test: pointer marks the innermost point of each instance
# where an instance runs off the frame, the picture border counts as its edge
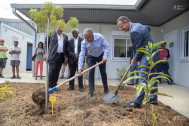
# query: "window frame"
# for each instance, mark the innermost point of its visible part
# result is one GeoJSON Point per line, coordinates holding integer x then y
{"type": "Point", "coordinates": [183, 57]}
{"type": "Point", "coordinates": [113, 44]}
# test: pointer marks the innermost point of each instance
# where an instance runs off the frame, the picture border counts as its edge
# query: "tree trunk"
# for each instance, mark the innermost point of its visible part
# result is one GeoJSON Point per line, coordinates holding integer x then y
{"type": "Point", "coordinates": [47, 79]}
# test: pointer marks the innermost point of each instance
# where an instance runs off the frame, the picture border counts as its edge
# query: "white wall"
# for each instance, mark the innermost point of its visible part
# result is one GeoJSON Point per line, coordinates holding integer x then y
{"type": "Point", "coordinates": [7, 33]}
{"type": "Point", "coordinates": [177, 25]}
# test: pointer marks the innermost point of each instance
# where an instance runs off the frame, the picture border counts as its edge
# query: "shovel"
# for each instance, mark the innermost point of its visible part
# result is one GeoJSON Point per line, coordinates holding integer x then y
{"type": "Point", "coordinates": [52, 89]}
{"type": "Point", "coordinates": [110, 97]}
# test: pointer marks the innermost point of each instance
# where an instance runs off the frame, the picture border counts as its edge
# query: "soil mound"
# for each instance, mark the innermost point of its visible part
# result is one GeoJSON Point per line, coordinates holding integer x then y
{"type": "Point", "coordinates": [38, 96]}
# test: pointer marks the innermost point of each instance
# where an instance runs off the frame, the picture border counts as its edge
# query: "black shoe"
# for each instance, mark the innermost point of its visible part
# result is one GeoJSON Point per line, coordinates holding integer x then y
{"type": "Point", "coordinates": [18, 77]}
{"type": "Point", "coordinates": [106, 92]}
{"type": "Point", "coordinates": [1, 76]}
{"type": "Point", "coordinates": [62, 77]}
{"type": "Point", "coordinates": [69, 89]}
{"type": "Point", "coordinates": [131, 104]}
{"type": "Point", "coordinates": [90, 94]}
{"type": "Point", "coordinates": [81, 89]}
{"type": "Point", "coordinates": [13, 77]}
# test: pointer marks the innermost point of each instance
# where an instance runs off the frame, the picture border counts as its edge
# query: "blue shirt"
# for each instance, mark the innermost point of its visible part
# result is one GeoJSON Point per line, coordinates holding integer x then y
{"type": "Point", "coordinates": [94, 48]}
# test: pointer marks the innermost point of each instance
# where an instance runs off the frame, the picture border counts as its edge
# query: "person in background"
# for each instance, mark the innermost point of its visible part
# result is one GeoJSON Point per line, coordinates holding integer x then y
{"type": "Point", "coordinates": [140, 36]}
{"type": "Point", "coordinates": [39, 59]}
{"type": "Point", "coordinates": [15, 59]}
{"type": "Point", "coordinates": [57, 44]}
{"type": "Point", "coordinates": [3, 57]}
{"type": "Point", "coordinates": [64, 68]}
{"type": "Point", "coordinates": [74, 48]}
{"type": "Point", "coordinates": [134, 67]}
{"type": "Point", "coordinates": [98, 50]}
{"type": "Point", "coordinates": [164, 66]}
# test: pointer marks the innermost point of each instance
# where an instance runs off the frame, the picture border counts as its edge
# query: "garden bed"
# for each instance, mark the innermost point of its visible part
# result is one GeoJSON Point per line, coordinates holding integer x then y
{"type": "Point", "coordinates": [74, 108]}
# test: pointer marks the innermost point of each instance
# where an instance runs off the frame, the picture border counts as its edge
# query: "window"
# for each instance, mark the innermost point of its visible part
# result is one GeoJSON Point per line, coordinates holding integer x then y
{"type": "Point", "coordinates": [121, 48]}
{"type": "Point", "coordinates": [185, 44]}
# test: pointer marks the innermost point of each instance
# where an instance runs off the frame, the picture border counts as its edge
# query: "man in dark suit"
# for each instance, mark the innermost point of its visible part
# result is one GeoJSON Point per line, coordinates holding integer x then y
{"type": "Point", "coordinates": [140, 36]}
{"type": "Point", "coordinates": [74, 48]}
{"type": "Point", "coordinates": [57, 49]}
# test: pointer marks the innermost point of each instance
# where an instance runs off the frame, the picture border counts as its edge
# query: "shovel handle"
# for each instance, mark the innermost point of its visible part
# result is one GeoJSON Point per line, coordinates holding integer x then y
{"type": "Point", "coordinates": [91, 67]}
{"type": "Point", "coordinates": [77, 75]}
{"type": "Point", "coordinates": [125, 74]}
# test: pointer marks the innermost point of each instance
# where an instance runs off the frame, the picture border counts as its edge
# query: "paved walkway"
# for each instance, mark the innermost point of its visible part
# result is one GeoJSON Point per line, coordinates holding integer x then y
{"type": "Point", "coordinates": [179, 102]}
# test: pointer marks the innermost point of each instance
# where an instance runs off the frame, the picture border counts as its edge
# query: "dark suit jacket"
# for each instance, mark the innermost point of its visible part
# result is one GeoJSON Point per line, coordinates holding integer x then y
{"type": "Point", "coordinates": [53, 45]}
{"type": "Point", "coordinates": [71, 49]}
{"type": "Point", "coordinates": [132, 52]}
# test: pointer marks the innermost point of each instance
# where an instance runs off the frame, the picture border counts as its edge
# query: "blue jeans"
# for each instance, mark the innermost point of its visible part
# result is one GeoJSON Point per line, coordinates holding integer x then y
{"type": "Point", "coordinates": [140, 97]}
{"type": "Point", "coordinates": [92, 61]}
{"type": "Point", "coordinates": [133, 68]}
{"type": "Point", "coordinates": [164, 67]}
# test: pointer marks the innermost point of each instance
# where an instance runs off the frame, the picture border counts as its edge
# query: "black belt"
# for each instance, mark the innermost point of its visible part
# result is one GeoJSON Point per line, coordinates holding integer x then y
{"type": "Point", "coordinates": [60, 53]}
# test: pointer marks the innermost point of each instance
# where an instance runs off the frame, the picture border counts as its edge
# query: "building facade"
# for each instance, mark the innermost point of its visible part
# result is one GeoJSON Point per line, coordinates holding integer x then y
{"type": "Point", "coordinates": [11, 30]}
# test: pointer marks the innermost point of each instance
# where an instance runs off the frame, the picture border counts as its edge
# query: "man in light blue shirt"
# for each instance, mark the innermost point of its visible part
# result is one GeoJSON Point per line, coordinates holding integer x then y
{"type": "Point", "coordinates": [98, 50]}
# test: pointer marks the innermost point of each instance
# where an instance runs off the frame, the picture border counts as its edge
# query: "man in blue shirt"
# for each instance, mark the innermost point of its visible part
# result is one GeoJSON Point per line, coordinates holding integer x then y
{"type": "Point", "coordinates": [98, 50]}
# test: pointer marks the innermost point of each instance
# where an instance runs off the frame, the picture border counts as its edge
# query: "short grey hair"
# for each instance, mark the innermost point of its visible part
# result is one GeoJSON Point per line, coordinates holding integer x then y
{"type": "Point", "coordinates": [123, 19]}
{"type": "Point", "coordinates": [88, 30]}
{"type": "Point", "coordinates": [75, 29]}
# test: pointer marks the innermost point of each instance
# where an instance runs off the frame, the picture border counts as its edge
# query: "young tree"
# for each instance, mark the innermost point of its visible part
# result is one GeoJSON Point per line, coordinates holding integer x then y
{"type": "Point", "coordinates": [151, 79]}
{"type": "Point", "coordinates": [48, 18]}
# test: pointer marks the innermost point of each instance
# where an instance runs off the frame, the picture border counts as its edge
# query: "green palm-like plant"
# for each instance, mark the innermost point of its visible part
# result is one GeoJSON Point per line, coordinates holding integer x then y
{"type": "Point", "coordinates": [152, 76]}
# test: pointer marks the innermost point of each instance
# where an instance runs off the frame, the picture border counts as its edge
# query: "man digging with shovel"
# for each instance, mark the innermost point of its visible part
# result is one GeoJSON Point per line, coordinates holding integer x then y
{"type": "Point", "coordinates": [98, 50]}
{"type": "Point", "coordinates": [140, 35]}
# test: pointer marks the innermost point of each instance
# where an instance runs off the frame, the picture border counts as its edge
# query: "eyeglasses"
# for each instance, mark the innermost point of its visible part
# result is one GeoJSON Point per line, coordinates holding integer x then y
{"type": "Point", "coordinates": [122, 26]}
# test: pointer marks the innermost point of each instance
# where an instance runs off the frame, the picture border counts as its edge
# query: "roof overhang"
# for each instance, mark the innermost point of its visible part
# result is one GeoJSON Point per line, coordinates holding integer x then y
{"type": "Point", "coordinates": [149, 12]}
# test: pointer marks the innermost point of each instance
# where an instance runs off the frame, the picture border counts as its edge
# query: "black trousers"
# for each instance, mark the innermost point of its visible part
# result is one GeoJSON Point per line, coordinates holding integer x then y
{"type": "Point", "coordinates": [54, 69]}
{"type": "Point", "coordinates": [73, 67]}
{"type": "Point", "coordinates": [92, 61]}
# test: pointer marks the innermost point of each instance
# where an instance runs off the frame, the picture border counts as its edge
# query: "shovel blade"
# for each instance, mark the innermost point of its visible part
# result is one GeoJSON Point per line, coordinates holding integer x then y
{"type": "Point", "coordinates": [111, 98]}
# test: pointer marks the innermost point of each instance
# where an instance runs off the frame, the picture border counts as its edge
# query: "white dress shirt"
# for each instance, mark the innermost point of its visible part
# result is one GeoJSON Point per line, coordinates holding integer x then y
{"type": "Point", "coordinates": [60, 43]}
{"type": "Point", "coordinates": [76, 45]}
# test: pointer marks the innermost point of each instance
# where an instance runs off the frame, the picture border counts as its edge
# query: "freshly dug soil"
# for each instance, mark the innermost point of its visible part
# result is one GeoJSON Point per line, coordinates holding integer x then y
{"type": "Point", "coordinates": [74, 108]}
{"type": "Point", "coordinates": [38, 96]}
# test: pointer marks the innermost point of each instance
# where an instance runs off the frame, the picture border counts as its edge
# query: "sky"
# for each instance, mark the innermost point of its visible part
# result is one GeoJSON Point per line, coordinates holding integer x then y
{"type": "Point", "coordinates": [6, 10]}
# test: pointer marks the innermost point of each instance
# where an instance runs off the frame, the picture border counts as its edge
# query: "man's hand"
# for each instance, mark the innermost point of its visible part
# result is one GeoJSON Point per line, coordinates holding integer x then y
{"type": "Point", "coordinates": [76, 57]}
{"type": "Point", "coordinates": [3, 50]}
{"type": "Point", "coordinates": [138, 63]}
{"type": "Point", "coordinates": [104, 60]}
{"type": "Point", "coordinates": [45, 57]}
{"type": "Point", "coordinates": [79, 72]}
{"type": "Point", "coordinates": [66, 59]}
{"type": "Point", "coordinates": [133, 62]}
